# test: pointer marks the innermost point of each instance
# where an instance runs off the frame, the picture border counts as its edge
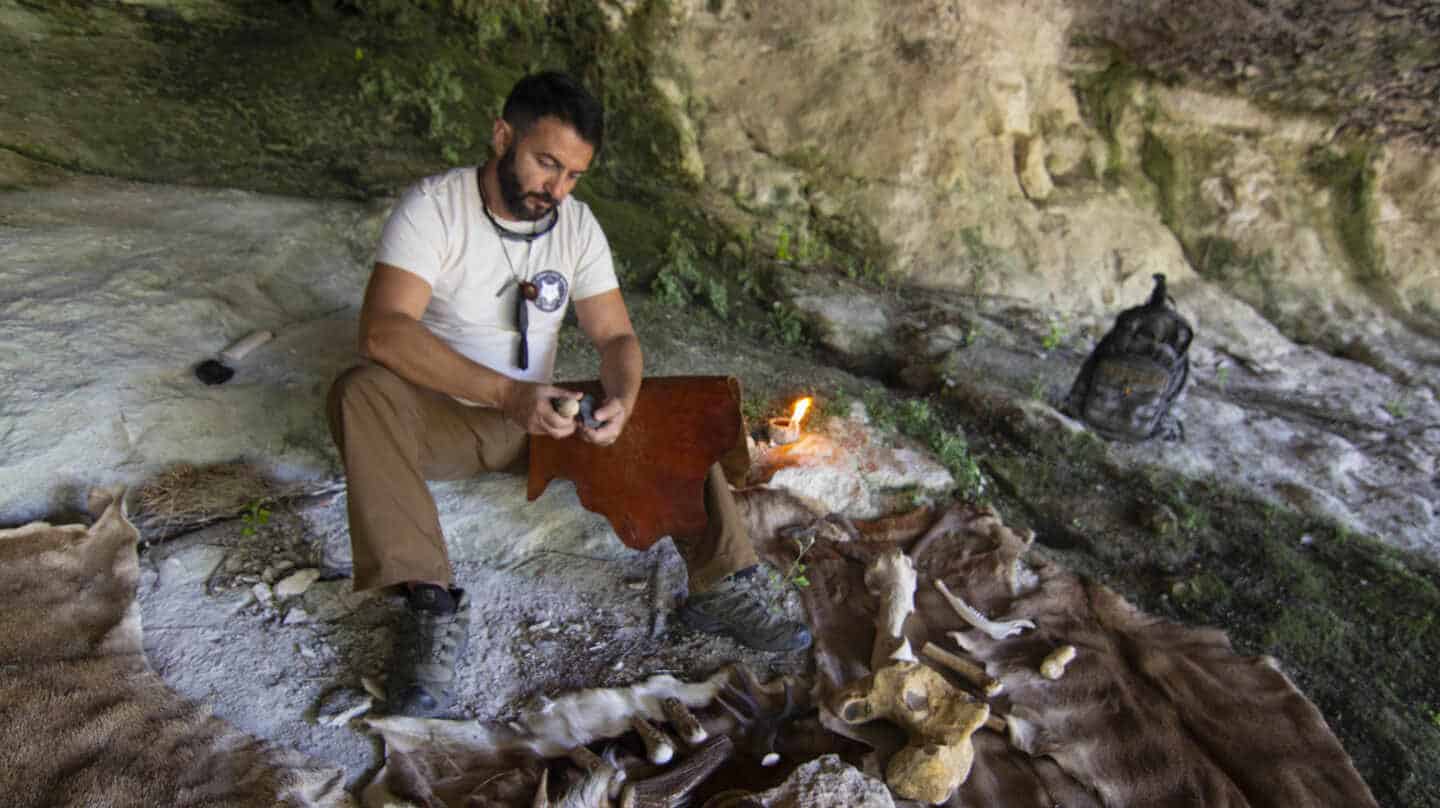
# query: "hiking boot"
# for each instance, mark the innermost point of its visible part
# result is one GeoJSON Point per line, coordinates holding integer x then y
{"type": "Point", "coordinates": [433, 637]}
{"type": "Point", "coordinates": [742, 606]}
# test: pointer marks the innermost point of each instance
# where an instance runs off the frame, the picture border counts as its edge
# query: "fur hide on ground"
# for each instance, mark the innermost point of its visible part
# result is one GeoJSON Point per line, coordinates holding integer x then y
{"type": "Point", "coordinates": [1149, 713]}
{"type": "Point", "coordinates": [86, 722]}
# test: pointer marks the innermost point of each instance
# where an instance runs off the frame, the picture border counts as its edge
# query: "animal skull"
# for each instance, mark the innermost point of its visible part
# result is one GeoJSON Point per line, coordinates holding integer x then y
{"type": "Point", "coordinates": [938, 717]}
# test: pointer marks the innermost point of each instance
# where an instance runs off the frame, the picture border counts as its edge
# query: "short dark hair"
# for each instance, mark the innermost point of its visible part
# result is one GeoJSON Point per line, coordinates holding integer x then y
{"type": "Point", "coordinates": [556, 94]}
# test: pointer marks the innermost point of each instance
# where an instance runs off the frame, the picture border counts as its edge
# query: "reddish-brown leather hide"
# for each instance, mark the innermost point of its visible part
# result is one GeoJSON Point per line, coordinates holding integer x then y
{"type": "Point", "coordinates": [651, 481]}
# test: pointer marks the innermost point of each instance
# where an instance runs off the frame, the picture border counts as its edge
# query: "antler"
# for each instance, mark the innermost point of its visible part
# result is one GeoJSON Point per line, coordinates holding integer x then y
{"type": "Point", "coordinates": [761, 726]}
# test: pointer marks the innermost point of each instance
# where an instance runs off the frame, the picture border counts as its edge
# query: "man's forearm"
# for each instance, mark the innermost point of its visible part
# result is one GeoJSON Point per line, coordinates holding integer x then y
{"type": "Point", "coordinates": [408, 348]}
{"type": "Point", "coordinates": [621, 368]}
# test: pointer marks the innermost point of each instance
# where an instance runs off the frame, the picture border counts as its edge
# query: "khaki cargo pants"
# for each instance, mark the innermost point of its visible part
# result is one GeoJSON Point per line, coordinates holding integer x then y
{"type": "Point", "coordinates": [394, 435]}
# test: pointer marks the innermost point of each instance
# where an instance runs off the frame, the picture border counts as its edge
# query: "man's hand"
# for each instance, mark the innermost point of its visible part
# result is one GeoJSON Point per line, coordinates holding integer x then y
{"type": "Point", "coordinates": [532, 407]}
{"type": "Point", "coordinates": [612, 415]}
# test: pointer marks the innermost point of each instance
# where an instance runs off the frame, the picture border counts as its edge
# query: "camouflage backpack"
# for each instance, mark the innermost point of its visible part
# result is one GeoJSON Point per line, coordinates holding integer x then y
{"type": "Point", "coordinates": [1128, 383]}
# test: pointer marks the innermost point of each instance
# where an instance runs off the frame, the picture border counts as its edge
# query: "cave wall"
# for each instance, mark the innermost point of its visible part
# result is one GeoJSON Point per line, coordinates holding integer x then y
{"type": "Point", "coordinates": [996, 148]}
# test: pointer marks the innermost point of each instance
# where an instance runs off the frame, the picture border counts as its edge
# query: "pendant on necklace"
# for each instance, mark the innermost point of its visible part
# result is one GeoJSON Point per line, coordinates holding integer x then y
{"type": "Point", "coordinates": [522, 324]}
{"type": "Point", "coordinates": [528, 290]}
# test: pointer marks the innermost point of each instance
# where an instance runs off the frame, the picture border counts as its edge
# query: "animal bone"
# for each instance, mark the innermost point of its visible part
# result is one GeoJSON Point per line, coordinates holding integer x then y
{"type": "Point", "coordinates": [891, 579]}
{"type": "Point", "coordinates": [998, 630]}
{"type": "Point", "coordinates": [972, 673]}
{"type": "Point", "coordinates": [762, 727]}
{"type": "Point", "coordinates": [557, 726]}
{"type": "Point", "coordinates": [1054, 665]}
{"type": "Point", "coordinates": [658, 747]}
{"type": "Point", "coordinates": [673, 788]}
{"type": "Point", "coordinates": [684, 721]}
{"type": "Point", "coordinates": [938, 717]}
{"type": "Point", "coordinates": [592, 763]}
{"type": "Point", "coordinates": [589, 792]}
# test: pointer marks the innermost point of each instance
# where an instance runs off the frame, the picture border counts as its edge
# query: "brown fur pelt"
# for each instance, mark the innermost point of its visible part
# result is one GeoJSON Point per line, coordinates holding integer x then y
{"type": "Point", "coordinates": [86, 720]}
{"type": "Point", "coordinates": [1149, 713]}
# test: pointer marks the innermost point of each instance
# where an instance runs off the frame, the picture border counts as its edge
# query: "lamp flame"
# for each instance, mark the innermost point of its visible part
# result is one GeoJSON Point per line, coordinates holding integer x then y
{"type": "Point", "coordinates": [801, 407]}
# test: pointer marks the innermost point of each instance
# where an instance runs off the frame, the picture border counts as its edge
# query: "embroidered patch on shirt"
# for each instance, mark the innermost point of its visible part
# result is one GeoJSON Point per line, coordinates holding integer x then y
{"type": "Point", "coordinates": [553, 287]}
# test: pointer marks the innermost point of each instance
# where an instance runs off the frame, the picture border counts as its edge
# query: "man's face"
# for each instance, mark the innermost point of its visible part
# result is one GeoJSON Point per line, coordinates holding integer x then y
{"type": "Point", "coordinates": [541, 168]}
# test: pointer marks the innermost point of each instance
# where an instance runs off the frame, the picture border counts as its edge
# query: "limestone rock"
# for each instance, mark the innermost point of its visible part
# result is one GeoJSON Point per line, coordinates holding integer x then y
{"type": "Point", "coordinates": [827, 782]}
{"type": "Point", "coordinates": [296, 584]}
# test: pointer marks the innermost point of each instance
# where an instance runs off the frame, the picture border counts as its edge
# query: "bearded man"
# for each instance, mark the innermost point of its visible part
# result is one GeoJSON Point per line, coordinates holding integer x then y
{"type": "Point", "coordinates": [460, 325]}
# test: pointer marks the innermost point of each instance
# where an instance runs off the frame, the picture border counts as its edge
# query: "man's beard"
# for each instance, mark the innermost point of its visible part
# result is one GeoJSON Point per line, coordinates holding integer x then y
{"type": "Point", "coordinates": [514, 196]}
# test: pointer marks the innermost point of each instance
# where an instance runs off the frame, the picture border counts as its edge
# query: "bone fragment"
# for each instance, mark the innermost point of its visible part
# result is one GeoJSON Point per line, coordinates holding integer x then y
{"type": "Point", "coordinates": [658, 746]}
{"type": "Point", "coordinates": [674, 787]}
{"type": "Point", "coordinates": [245, 345]}
{"type": "Point", "coordinates": [567, 407]}
{"type": "Point", "coordinates": [1054, 665]}
{"type": "Point", "coordinates": [589, 792]}
{"type": "Point", "coordinates": [343, 718]}
{"type": "Point", "coordinates": [997, 630]}
{"type": "Point", "coordinates": [968, 670]}
{"type": "Point", "coordinates": [596, 766]}
{"type": "Point", "coordinates": [684, 721]}
{"type": "Point", "coordinates": [891, 579]}
{"type": "Point", "coordinates": [372, 687]}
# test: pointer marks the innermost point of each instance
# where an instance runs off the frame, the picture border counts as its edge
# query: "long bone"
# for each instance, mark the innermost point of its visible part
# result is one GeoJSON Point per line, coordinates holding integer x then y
{"type": "Point", "coordinates": [998, 630]}
{"type": "Point", "coordinates": [972, 673]}
{"type": "Point", "coordinates": [891, 579]}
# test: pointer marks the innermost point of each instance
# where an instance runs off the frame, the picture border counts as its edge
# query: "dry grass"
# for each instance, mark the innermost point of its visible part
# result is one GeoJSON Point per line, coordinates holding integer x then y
{"type": "Point", "coordinates": [185, 496]}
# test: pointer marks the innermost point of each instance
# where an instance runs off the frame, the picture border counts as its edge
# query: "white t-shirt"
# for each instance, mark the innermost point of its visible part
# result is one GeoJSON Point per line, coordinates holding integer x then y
{"type": "Point", "coordinates": [439, 232]}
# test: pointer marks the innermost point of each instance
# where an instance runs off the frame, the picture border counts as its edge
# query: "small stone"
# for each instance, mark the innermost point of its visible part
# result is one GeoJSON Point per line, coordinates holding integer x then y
{"type": "Point", "coordinates": [297, 583]}
{"type": "Point", "coordinates": [296, 616]}
{"type": "Point", "coordinates": [282, 566]}
{"type": "Point", "coordinates": [307, 652]}
{"type": "Point", "coordinates": [263, 595]}
{"type": "Point", "coordinates": [268, 576]}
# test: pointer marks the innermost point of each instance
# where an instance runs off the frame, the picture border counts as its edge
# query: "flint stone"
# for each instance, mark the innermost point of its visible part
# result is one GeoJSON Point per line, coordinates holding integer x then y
{"type": "Point", "coordinates": [828, 782]}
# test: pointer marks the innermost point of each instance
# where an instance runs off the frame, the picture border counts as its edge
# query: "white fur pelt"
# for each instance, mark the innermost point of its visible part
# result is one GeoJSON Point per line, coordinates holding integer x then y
{"type": "Point", "coordinates": [86, 722]}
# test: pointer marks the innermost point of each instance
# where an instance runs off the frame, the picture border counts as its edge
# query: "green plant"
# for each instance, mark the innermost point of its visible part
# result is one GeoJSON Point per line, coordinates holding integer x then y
{"type": "Point", "coordinates": [753, 408]}
{"type": "Point", "coordinates": [1434, 717]}
{"type": "Point", "coordinates": [786, 324]}
{"type": "Point", "coordinates": [1037, 387]}
{"type": "Point", "coordinates": [680, 280]}
{"type": "Point", "coordinates": [1055, 336]}
{"type": "Point", "coordinates": [953, 451]}
{"type": "Point", "coordinates": [879, 408]}
{"type": "Point", "coordinates": [716, 296]}
{"type": "Point", "coordinates": [1222, 377]}
{"type": "Point", "coordinates": [782, 245]}
{"type": "Point", "coordinates": [835, 405]}
{"type": "Point", "coordinates": [255, 516]}
{"type": "Point", "coordinates": [794, 574]}
{"type": "Point", "coordinates": [1397, 408]}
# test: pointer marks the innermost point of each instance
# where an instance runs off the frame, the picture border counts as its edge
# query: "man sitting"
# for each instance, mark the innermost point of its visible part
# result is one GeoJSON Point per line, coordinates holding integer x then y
{"type": "Point", "coordinates": [460, 325]}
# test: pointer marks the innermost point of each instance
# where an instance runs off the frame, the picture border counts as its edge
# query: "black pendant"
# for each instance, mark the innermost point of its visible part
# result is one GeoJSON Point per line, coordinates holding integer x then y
{"type": "Point", "coordinates": [522, 324]}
